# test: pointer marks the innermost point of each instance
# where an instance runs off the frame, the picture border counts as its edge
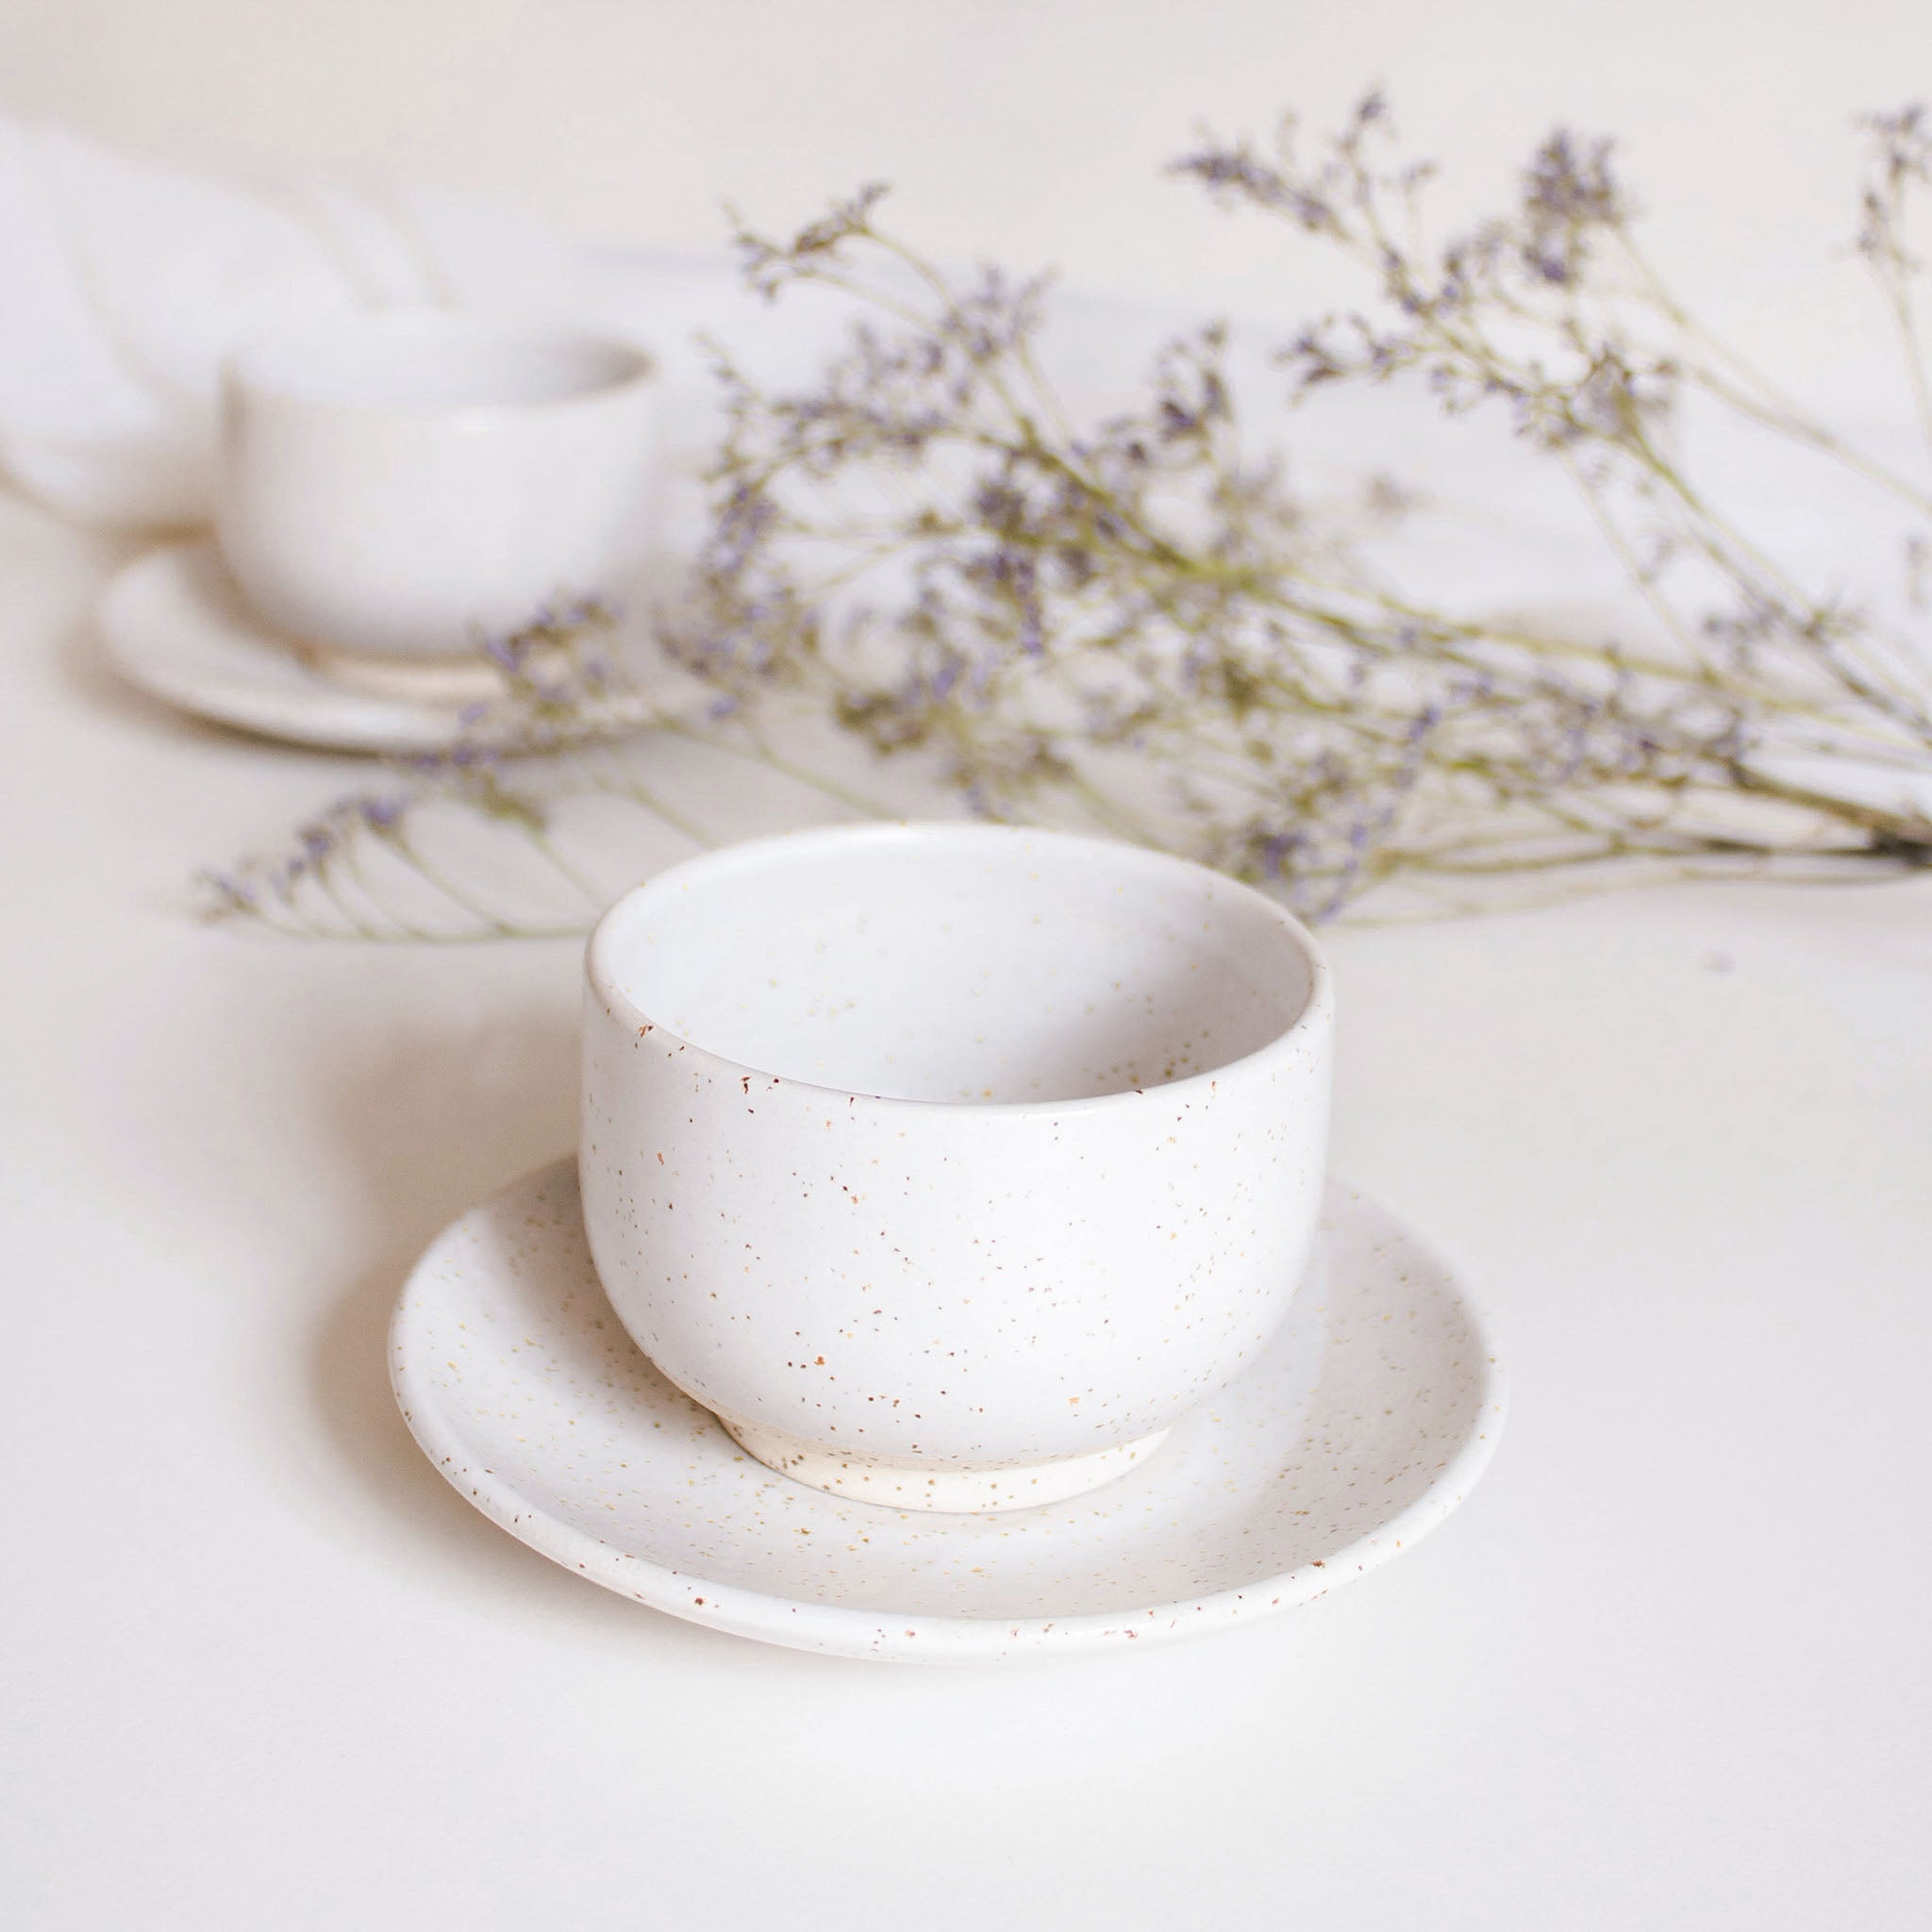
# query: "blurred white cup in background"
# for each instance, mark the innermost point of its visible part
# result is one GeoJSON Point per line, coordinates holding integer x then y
{"type": "Point", "coordinates": [413, 484]}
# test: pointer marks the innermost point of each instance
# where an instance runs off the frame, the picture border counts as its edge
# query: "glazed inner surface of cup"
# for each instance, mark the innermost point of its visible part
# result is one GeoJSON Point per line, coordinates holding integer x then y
{"type": "Point", "coordinates": [431, 364]}
{"type": "Point", "coordinates": [961, 965]}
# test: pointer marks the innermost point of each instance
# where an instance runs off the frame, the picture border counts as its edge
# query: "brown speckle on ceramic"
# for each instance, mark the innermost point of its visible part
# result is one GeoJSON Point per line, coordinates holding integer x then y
{"type": "Point", "coordinates": [1363, 1424]}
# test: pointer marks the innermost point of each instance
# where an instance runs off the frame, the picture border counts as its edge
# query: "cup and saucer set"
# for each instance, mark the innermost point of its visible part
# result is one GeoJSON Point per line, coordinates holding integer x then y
{"type": "Point", "coordinates": [949, 1269]}
{"type": "Point", "coordinates": [390, 492]}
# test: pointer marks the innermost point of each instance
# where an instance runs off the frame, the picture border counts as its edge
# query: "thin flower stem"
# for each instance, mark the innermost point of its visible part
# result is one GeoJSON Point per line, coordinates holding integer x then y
{"type": "Point", "coordinates": [323, 874]}
{"type": "Point", "coordinates": [660, 807]}
{"type": "Point", "coordinates": [1898, 293]}
{"type": "Point", "coordinates": [400, 926]}
{"type": "Point", "coordinates": [593, 895]}
{"type": "Point", "coordinates": [786, 768]}
{"type": "Point", "coordinates": [434, 875]}
{"type": "Point", "coordinates": [1773, 407]}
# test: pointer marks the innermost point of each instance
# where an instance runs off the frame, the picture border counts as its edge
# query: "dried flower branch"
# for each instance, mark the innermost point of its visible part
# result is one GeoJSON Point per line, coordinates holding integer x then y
{"type": "Point", "coordinates": [924, 546]}
{"type": "Point", "coordinates": [1141, 620]}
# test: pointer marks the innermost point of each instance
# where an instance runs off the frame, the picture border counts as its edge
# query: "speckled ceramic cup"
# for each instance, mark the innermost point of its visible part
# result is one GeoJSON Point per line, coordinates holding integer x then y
{"type": "Point", "coordinates": [950, 1165]}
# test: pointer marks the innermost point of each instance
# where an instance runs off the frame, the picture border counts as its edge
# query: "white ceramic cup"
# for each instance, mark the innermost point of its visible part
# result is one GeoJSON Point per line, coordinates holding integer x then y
{"type": "Point", "coordinates": [949, 1165]}
{"type": "Point", "coordinates": [413, 484]}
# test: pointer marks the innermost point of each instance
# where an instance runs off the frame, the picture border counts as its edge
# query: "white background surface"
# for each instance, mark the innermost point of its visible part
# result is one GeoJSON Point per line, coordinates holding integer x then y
{"type": "Point", "coordinates": [1667, 1668]}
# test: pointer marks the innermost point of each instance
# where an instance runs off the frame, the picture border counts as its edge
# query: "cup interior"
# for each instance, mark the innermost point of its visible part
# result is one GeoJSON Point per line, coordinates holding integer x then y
{"type": "Point", "coordinates": [433, 362]}
{"type": "Point", "coordinates": [972, 964]}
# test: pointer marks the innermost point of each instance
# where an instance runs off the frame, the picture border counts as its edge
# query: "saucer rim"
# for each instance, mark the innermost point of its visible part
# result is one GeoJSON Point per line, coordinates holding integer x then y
{"type": "Point", "coordinates": [329, 717]}
{"type": "Point", "coordinates": [841, 1630]}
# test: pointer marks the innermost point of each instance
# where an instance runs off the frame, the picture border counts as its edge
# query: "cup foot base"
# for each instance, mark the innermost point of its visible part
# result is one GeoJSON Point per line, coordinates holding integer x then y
{"type": "Point", "coordinates": [459, 678]}
{"type": "Point", "coordinates": [962, 1491]}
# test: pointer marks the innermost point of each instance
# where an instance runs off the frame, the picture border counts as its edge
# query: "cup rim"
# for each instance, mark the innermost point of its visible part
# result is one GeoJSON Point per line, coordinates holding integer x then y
{"type": "Point", "coordinates": [600, 974]}
{"type": "Point", "coordinates": [421, 321]}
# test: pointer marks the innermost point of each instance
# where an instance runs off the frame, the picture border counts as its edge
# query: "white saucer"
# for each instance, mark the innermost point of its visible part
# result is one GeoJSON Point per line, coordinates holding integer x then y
{"type": "Point", "coordinates": [175, 626]}
{"type": "Point", "coordinates": [1368, 1421]}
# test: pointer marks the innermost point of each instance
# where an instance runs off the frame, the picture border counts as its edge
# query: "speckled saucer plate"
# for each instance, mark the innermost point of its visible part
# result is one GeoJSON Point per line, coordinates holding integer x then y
{"type": "Point", "coordinates": [1366, 1422]}
{"type": "Point", "coordinates": [176, 626]}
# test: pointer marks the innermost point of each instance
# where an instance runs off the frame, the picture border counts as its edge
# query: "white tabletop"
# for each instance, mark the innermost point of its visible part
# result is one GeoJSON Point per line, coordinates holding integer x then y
{"type": "Point", "coordinates": [1666, 1668]}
